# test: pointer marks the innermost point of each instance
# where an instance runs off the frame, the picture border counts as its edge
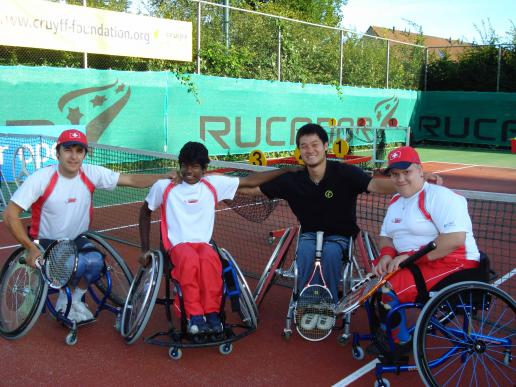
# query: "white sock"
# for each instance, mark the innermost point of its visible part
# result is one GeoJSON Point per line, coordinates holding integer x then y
{"type": "Point", "coordinates": [77, 295]}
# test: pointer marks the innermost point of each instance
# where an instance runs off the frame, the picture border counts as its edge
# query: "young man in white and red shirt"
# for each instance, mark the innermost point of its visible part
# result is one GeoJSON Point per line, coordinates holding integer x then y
{"type": "Point", "coordinates": [61, 200]}
{"type": "Point", "coordinates": [418, 214]}
{"type": "Point", "coordinates": [187, 219]}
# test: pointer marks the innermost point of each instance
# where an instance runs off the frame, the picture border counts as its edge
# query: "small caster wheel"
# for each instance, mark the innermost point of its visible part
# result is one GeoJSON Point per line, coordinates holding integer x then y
{"type": "Point", "coordinates": [175, 353]}
{"type": "Point", "coordinates": [270, 240]}
{"type": "Point", "coordinates": [507, 359]}
{"type": "Point", "coordinates": [382, 383]}
{"type": "Point", "coordinates": [71, 338]}
{"type": "Point", "coordinates": [118, 322]}
{"type": "Point", "coordinates": [226, 349]}
{"type": "Point", "coordinates": [286, 335]}
{"type": "Point", "coordinates": [343, 340]}
{"type": "Point", "coordinates": [358, 353]}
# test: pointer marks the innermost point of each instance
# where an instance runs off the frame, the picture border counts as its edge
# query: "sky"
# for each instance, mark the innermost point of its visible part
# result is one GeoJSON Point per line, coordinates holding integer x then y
{"type": "Point", "coordinates": [444, 18]}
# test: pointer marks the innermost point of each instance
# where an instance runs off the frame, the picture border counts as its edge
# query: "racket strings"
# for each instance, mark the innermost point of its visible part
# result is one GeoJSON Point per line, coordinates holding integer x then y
{"type": "Point", "coordinates": [357, 296]}
{"type": "Point", "coordinates": [60, 263]}
{"type": "Point", "coordinates": [314, 313]}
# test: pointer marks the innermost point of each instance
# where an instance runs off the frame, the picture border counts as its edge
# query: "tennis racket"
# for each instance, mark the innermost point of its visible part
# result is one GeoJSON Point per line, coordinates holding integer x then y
{"type": "Point", "coordinates": [314, 311]}
{"type": "Point", "coordinates": [22, 156]}
{"type": "Point", "coordinates": [365, 288]}
{"type": "Point", "coordinates": [58, 263]}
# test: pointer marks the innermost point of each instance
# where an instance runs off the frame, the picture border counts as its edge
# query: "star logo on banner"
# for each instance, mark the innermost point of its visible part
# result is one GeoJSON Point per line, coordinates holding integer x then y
{"type": "Point", "coordinates": [107, 100]}
{"type": "Point", "coordinates": [74, 115]}
{"type": "Point", "coordinates": [98, 100]}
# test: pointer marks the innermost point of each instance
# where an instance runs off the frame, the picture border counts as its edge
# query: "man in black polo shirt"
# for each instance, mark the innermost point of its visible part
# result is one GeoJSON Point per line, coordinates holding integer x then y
{"type": "Point", "coordinates": [323, 196]}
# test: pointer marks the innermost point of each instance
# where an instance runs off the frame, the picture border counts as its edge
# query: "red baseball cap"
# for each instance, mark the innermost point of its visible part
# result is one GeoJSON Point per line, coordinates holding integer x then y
{"type": "Point", "coordinates": [72, 137]}
{"type": "Point", "coordinates": [402, 158]}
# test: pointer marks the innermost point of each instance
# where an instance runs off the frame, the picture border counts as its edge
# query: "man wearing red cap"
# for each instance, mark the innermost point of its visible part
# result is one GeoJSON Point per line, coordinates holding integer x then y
{"type": "Point", "coordinates": [418, 214]}
{"type": "Point", "coordinates": [61, 200]}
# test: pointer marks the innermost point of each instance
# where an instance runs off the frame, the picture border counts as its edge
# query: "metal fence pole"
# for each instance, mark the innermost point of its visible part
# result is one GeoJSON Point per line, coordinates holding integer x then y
{"type": "Point", "coordinates": [85, 54]}
{"type": "Point", "coordinates": [226, 22]}
{"type": "Point", "coordinates": [426, 69]}
{"type": "Point", "coordinates": [341, 56]}
{"type": "Point", "coordinates": [387, 67]}
{"type": "Point", "coordinates": [499, 67]}
{"type": "Point", "coordinates": [279, 53]}
{"type": "Point", "coordinates": [198, 54]}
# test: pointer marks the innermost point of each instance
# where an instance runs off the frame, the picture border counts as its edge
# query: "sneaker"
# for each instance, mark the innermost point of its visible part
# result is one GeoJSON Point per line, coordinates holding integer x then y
{"type": "Point", "coordinates": [325, 323]}
{"type": "Point", "coordinates": [82, 311]}
{"type": "Point", "coordinates": [214, 322]}
{"type": "Point", "coordinates": [197, 325]}
{"type": "Point", "coordinates": [309, 321]}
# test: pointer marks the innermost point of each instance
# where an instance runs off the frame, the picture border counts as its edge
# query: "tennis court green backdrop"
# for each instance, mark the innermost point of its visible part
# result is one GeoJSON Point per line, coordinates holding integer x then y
{"type": "Point", "coordinates": [155, 111]}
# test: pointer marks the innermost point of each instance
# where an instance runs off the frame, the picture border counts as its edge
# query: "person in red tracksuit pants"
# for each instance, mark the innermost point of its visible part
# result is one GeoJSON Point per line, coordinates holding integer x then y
{"type": "Point", "coordinates": [187, 219]}
{"type": "Point", "coordinates": [418, 214]}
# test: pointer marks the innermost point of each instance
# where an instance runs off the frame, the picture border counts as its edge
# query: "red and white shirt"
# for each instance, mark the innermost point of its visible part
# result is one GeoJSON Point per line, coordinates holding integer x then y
{"type": "Point", "coordinates": [415, 221]}
{"type": "Point", "coordinates": [61, 206]}
{"type": "Point", "coordinates": [190, 208]}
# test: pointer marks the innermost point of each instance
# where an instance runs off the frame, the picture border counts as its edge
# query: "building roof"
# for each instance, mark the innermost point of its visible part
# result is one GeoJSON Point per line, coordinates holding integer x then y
{"type": "Point", "coordinates": [437, 45]}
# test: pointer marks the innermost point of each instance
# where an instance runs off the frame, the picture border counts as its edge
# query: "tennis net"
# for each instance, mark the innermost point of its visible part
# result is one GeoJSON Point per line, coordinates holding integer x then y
{"type": "Point", "coordinates": [244, 225]}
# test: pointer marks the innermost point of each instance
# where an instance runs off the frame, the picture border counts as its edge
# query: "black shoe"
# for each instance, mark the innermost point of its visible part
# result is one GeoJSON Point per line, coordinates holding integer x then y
{"type": "Point", "coordinates": [214, 323]}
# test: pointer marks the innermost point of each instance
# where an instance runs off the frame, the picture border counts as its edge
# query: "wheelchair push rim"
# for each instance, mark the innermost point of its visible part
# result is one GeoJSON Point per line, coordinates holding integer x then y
{"type": "Point", "coordinates": [141, 298]}
{"type": "Point", "coordinates": [248, 307]}
{"type": "Point", "coordinates": [465, 333]}
{"type": "Point", "coordinates": [121, 276]}
{"type": "Point", "coordinates": [23, 292]}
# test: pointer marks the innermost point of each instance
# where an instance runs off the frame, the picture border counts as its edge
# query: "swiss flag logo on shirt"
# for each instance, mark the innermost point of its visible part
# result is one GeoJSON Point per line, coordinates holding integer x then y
{"type": "Point", "coordinates": [396, 220]}
{"type": "Point", "coordinates": [71, 200]}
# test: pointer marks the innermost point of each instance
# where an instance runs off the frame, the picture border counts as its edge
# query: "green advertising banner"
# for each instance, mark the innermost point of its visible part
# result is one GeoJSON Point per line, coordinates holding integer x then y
{"type": "Point", "coordinates": [155, 110]}
{"type": "Point", "coordinates": [466, 117]}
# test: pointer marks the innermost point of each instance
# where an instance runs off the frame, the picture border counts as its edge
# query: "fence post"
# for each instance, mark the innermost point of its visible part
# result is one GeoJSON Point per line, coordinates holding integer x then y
{"type": "Point", "coordinates": [426, 69]}
{"type": "Point", "coordinates": [387, 67]}
{"type": "Point", "coordinates": [226, 22]}
{"type": "Point", "coordinates": [279, 53]}
{"type": "Point", "coordinates": [498, 69]}
{"type": "Point", "coordinates": [341, 56]}
{"type": "Point", "coordinates": [84, 54]}
{"type": "Point", "coordinates": [198, 54]}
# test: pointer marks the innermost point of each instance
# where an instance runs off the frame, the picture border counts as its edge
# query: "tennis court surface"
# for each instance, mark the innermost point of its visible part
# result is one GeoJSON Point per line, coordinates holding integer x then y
{"type": "Point", "coordinates": [243, 227]}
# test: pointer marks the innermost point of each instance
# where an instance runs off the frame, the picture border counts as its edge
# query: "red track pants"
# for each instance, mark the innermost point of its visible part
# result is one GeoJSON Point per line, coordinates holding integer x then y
{"type": "Point", "coordinates": [433, 271]}
{"type": "Point", "coordinates": [198, 270]}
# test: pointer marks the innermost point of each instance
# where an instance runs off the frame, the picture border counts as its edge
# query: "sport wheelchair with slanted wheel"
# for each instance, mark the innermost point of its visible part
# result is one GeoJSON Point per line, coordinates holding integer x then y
{"type": "Point", "coordinates": [143, 296]}
{"type": "Point", "coordinates": [24, 293]}
{"type": "Point", "coordinates": [463, 333]}
{"type": "Point", "coordinates": [356, 266]}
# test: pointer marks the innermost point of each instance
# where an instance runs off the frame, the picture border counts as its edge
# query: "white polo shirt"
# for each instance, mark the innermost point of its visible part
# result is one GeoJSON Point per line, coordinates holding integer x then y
{"type": "Point", "coordinates": [409, 229]}
{"type": "Point", "coordinates": [66, 212]}
{"type": "Point", "coordinates": [190, 208]}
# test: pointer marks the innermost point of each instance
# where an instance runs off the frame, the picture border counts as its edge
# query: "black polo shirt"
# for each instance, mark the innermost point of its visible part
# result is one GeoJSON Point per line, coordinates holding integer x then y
{"type": "Point", "coordinates": [329, 206]}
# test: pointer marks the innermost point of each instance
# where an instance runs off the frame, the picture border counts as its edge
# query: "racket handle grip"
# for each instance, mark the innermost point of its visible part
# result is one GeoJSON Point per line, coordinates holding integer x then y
{"type": "Point", "coordinates": [418, 254]}
{"type": "Point", "coordinates": [318, 243]}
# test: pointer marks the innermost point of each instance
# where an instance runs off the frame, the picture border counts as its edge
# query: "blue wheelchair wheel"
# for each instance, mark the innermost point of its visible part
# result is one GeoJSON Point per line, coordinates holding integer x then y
{"type": "Point", "coordinates": [22, 296]}
{"type": "Point", "coordinates": [464, 335]}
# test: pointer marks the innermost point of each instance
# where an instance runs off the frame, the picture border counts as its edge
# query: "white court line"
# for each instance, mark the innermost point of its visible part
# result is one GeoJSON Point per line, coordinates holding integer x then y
{"type": "Point", "coordinates": [470, 165]}
{"type": "Point", "coordinates": [357, 374]}
{"type": "Point", "coordinates": [372, 365]}
{"type": "Point", "coordinates": [454, 169]}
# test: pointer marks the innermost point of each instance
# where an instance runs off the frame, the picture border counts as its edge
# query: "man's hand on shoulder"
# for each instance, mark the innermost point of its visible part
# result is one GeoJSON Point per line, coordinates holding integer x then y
{"type": "Point", "coordinates": [433, 178]}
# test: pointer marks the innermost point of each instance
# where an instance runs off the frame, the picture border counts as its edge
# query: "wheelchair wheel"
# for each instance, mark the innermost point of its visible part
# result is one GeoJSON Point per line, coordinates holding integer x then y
{"type": "Point", "coordinates": [464, 335]}
{"type": "Point", "coordinates": [121, 276]}
{"type": "Point", "coordinates": [141, 299]}
{"type": "Point", "coordinates": [23, 292]}
{"type": "Point", "coordinates": [269, 275]}
{"type": "Point", "coordinates": [248, 308]}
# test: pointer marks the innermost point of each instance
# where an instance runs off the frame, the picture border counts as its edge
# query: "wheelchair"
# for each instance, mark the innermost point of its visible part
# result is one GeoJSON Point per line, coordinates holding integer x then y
{"type": "Point", "coordinates": [356, 266]}
{"type": "Point", "coordinates": [25, 295]}
{"type": "Point", "coordinates": [143, 295]}
{"type": "Point", "coordinates": [463, 333]}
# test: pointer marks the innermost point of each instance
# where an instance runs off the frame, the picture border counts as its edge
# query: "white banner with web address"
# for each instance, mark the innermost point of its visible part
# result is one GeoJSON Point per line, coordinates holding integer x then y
{"type": "Point", "coordinates": [43, 24]}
